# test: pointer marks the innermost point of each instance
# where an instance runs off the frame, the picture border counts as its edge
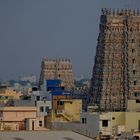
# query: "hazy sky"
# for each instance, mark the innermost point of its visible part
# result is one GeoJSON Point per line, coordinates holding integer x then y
{"type": "Point", "coordinates": [33, 29]}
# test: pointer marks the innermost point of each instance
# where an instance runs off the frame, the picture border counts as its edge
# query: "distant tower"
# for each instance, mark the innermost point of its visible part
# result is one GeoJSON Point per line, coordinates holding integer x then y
{"type": "Point", "coordinates": [57, 69]}
{"type": "Point", "coordinates": [116, 72]}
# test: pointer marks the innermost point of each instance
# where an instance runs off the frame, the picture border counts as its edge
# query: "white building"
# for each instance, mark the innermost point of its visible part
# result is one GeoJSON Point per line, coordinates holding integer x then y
{"type": "Point", "coordinates": [31, 78]}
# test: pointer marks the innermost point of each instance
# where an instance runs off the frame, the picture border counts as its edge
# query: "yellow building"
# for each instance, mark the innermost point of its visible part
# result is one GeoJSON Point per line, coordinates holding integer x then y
{"type": "Point", "coordinates": [133, 105]}
{"type": "Point", "coordinates": [7, 93]}
{"type": "Point", "coordinates": [113, 123]}
{"type": "Point", "coordinates": [68, 112]}
{"type": "Point", "coordinates": [64, 109]}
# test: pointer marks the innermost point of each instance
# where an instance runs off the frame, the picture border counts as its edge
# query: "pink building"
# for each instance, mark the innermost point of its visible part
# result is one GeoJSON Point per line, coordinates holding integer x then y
{"type": "Point", "coordinates": [18, 118]}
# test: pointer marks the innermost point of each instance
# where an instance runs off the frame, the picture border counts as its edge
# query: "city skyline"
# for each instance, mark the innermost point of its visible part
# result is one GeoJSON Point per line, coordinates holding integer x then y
{"type": "Point", "coordinates": [32, 30]}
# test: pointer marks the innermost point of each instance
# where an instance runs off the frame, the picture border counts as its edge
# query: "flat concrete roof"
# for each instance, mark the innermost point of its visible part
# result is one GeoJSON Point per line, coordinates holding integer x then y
{"type": "Point", "coordinates": [18, 108]}
{"type": "Point", "coordinates": [42, 135]}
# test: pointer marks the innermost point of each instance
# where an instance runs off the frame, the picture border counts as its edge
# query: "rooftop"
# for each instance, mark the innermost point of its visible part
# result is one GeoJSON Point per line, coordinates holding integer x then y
{"type": "Point", "coordinates": [42, 135]}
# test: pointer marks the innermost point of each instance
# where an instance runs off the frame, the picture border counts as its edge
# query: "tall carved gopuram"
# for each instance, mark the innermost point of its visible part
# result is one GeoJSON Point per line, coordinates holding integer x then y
{"type": "Point", "coordinates": [116, 71]}
{"type": "Point", "coordinates": [58, 68]}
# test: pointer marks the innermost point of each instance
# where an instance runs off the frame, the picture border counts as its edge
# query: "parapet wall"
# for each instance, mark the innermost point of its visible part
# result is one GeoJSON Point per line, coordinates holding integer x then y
{"type": "Point", "coordinates": [121, 12]}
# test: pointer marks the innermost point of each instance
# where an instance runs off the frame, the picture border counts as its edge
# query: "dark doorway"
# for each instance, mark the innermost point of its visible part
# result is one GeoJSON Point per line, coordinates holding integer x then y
{"type": "Point", "coordinates": [33, 125]}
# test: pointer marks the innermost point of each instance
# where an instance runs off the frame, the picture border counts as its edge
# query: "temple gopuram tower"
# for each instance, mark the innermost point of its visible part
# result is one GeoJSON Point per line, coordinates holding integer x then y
{"type": "Point", "coordinates": [59, 68]}
{"type": "Point", "coordinates": [116, 71]}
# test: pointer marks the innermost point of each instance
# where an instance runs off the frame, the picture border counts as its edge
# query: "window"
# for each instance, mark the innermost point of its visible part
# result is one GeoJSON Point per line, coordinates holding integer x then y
{"type": "Point", "coordinates": [46, 109]}
{"type": "Point", "coordinates": [34, 89]}
{"type": "Point", "coordinates": [49, 112]}
{"type": "Point", "coordinates": [134, 71]}
{"type": "Point", "coordinates": [135, 82]}
{"type": "Point", "coordinates": [84, 120]}
{"type": "Point", "coordinates": [37, 98]}
{"type": "Point", "coordinates": [133, 41]}
{"type": "Point", "coordinates": [113, 118]}
{"type": "Point", "coordinates": [49, 88]}
{"type": "Point", "coordinates": [136, 94]}
{"type": "Point", "coordinates": [137, 100]}
{"type": "Point", "coordinates": [1, 114]}
{"type": "Point", "coordinates": [41, 109]}
{"type": "Point", "coordinates": [60, 103]}
{"type": "Point", "coordinates": [62, 88]}
{"type": "Point", "coordinates": [40, 123]}
{"type": "Point", "coordinates": [133, 60]}
{"type": "Point", "coordinates": [105, 123]}
{"type": "Point", "coordinates": [133, 50]}
{"type": "Point", "coordinates": [6, 97]}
